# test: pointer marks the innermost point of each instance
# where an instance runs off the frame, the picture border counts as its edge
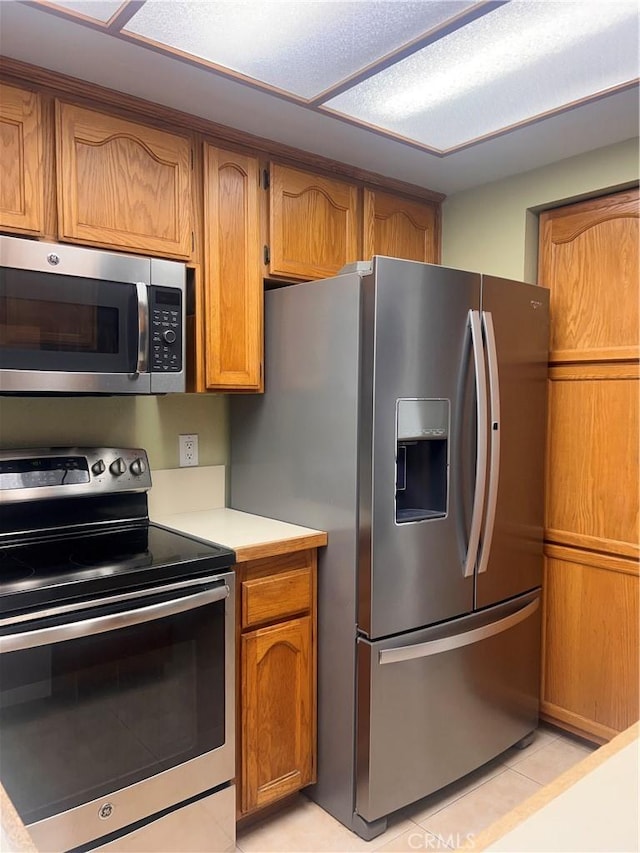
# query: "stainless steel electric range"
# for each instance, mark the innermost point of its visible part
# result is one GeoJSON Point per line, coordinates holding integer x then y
{"type": "Point", "coordinates": [116, 660]}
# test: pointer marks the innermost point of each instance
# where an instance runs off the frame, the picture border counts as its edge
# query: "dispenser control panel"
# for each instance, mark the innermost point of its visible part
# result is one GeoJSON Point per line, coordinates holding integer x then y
{"type": "Point", "coordinates": [422, 419]}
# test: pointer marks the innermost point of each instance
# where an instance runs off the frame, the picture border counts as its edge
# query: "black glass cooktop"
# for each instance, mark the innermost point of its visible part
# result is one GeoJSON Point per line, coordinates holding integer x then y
{"type": "Point", "coordinates": [58, 568]}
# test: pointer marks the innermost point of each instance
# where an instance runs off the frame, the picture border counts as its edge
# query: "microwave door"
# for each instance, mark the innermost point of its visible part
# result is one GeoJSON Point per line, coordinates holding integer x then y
{"type": "Point", "coordinates": [72, 334]}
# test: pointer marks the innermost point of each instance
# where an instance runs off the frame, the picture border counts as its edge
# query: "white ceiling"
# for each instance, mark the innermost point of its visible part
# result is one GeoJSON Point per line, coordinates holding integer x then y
{"type": "Point", "coordinates": [40, 38]}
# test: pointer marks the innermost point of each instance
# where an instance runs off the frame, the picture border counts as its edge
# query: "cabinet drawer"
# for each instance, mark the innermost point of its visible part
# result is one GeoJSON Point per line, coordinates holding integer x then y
{"type": "Point", "coordinates": [276, 596]}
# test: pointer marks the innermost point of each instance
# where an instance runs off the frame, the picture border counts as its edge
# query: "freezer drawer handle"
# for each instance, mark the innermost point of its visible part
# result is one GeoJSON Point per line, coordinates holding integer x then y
{"type": "Point", "coordinates": [494, 465]}
{"type": "Point", "coordinates": [447, 644]}
{"type": "Point", "coordinates": [481, 454]}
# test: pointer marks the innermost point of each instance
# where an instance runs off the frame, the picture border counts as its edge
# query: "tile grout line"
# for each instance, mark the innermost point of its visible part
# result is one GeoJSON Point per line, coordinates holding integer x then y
{"type": "Point", "coordinates": [469, 793]}
{"type": "Point", "coordinates": [466, 793]}
{"type": "Point", "coordinates": [457, 801]}
{"type": "Point", "coordinates": [439, 838]}
{"type": "Point", "coordinates": [394, 837]}
{"type": "Point", "coordinates": [524, 776]}
{"type": "Point", "coordinates": [527, 753]}
{"type": "Point", "coordinates": [557, 738]}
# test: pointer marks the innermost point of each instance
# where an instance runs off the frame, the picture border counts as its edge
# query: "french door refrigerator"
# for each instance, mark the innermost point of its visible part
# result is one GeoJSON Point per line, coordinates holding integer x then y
{"type": "Point", "coordinates": [405, 413]}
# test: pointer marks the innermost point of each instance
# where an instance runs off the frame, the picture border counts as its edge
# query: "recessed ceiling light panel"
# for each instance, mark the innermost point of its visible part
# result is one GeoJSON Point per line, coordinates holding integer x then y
{"type": "Point", "coordinates": [520, 61]}
{"type": "Point", "coordinates": [99, 10]}
{"type": "Point", "coordinates": [302, 47]}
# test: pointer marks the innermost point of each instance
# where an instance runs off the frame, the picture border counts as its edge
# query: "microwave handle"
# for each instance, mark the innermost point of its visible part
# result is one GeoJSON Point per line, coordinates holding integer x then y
{"type": "Point", "coordinates": [143, 328]}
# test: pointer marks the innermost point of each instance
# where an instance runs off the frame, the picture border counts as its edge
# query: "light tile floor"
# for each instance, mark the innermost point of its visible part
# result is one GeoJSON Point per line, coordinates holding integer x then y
{"type": "Point", "coordinates": [442, 821]}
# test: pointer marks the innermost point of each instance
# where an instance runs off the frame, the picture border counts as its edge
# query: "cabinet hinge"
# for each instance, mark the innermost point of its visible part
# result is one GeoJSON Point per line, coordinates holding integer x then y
{"type": "Point", "coordinates": [265, 179]}
{"type": "Point", "coordinates": [266, 255]}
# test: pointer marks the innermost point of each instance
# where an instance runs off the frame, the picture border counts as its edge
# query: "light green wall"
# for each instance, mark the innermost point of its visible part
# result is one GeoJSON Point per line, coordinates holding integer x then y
{"type": "Point", "coordinates": [150, 422]}
{"type": "Point", "coordinates": [494, 228]}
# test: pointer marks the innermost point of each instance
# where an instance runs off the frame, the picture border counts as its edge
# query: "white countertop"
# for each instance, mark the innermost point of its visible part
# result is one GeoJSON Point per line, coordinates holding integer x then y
{"type": "Point", "coordinates": [250, 536]}
{"type": "Point", "coordinates": [191, 500]}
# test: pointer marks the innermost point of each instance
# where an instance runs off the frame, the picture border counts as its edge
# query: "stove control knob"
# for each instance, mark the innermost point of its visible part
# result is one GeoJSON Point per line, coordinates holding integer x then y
{"type": "Point", "coordinates": [118, 467]}
{"type": "Point", "coordinates": [98, 467]}
{"type": "Point", "coordinates": [137, 467]}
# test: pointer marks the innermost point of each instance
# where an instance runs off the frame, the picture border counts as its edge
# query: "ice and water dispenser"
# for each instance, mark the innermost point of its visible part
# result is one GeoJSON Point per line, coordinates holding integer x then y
{"type": "Point", "coordinates": [422, 459]}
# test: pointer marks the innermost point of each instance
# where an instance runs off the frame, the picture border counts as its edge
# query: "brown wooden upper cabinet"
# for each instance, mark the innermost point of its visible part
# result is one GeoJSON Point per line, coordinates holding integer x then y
{"type": "Point", "coordinates": [21, 173]}
{"type": "Point", "coordinates": [233, 273]}
{"type": "Point", "coordinates": [589, 260]}
{"type": "Point", "coordinates": [400, 228]}
{"type": "Point", "coordinates": [313, 224]}
{"type": "Point", "coordinates": [121, 184]}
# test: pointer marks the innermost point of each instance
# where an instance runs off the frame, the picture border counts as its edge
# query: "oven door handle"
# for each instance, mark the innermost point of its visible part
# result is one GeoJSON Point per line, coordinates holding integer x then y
{"type": "Point", "coordinates": [110, 622]}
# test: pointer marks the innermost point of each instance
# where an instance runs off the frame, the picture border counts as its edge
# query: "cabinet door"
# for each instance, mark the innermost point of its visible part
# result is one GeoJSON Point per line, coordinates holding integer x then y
{"type": "Point", "coordinates": [121, 184]}
{"type": "Point", "coordinates": [589, 261]}
{"type": "Point", "coordinates": [233, 281]}
{"type": "Point", "coordinates": [313, 224]}
{"type": "Point", "coordinates": [590, 631]}
{"type": "Point", "coordinates": [277, 711]}
{"type": "Point", "coordinates": [400, 228]}
{"type": "Point", "coordinates": [21, 174]}
{"type": "Point", "coordinates": [593, 460]}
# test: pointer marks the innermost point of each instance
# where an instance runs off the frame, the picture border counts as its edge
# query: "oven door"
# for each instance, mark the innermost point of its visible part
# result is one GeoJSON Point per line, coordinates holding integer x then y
{"type": "Point", "coordinates": [112, 711]}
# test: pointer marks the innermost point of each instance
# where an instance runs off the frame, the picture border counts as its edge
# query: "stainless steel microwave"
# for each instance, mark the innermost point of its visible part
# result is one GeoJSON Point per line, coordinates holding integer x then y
{"type": "Point", "coordinates": [83, 321]}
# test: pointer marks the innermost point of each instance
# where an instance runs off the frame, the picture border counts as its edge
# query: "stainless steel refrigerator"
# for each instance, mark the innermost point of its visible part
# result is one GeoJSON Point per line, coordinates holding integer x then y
{"type": "Point", "coordinates": [405, 413]}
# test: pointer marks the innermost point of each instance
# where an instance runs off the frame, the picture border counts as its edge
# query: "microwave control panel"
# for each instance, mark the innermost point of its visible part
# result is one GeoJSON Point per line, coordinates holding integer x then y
{"type": "Point", "coordinates": [166, 330]}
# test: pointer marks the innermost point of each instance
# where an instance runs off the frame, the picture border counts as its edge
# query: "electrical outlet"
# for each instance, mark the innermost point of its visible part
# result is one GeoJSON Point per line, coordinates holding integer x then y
{"type": "Point", "coordinates": [188, 447]}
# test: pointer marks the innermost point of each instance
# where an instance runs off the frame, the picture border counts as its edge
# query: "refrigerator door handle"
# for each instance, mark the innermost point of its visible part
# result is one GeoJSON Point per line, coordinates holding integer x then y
{"type": "Point", "coordinates": [494, 467]}
{"type": "Point", "coordinates": [481, 452]}
{"type": "Point", "coordinates": [457, 641]}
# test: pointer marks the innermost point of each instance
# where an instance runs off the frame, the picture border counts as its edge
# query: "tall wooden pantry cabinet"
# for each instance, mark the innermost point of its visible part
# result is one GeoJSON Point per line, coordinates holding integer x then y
{"type": "Point", "coordinates": [589, 261]}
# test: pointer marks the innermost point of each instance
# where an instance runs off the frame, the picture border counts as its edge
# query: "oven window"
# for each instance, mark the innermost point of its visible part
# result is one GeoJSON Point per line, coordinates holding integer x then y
{"type": "Point", "coordinates": [85, 717]}
{"type": "Point", "coordinates": [55, 322]}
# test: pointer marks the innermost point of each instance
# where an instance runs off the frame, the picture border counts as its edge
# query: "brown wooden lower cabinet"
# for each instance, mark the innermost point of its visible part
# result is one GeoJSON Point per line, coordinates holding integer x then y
{"type": "Point", "coordinates": [590, 639]}
{"type": "Point", "coordinates": [276, 659]}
